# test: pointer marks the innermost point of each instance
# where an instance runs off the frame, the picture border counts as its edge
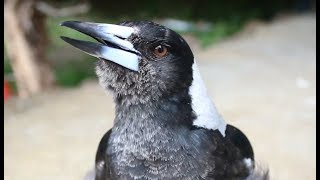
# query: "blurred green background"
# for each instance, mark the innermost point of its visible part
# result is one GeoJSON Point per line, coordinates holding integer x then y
{"type": "Point", "coordinates": [224, 17]}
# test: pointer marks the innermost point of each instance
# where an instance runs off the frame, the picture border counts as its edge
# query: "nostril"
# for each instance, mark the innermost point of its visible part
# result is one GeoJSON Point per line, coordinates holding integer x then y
{"type": "Point", "coordinates": [120, 37]}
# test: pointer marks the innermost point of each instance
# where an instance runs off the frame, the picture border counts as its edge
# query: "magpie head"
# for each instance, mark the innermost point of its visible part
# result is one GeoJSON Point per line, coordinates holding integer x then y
{"type": "Point", "coordinates": [138, 60]}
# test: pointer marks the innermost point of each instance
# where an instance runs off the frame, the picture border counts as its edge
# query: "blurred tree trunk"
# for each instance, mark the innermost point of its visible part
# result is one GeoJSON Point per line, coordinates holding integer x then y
{"type": "Point", "coordinates": [26, 41]}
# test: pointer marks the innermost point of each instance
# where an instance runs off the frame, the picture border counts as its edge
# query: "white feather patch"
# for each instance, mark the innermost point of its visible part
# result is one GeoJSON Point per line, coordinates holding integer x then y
{"type": "Point", "coordinates": [248, 162]}
{"type": "Point", "coordinates": [202, 105]}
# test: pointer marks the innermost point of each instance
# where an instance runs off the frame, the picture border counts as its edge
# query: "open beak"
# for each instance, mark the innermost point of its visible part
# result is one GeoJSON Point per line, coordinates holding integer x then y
{"type": "Point", "coordinates": [113, 45]}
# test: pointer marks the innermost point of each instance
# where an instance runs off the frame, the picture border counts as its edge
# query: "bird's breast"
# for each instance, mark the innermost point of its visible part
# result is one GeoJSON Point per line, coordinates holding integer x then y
{"type": "Point", "coordinates": [154, 151]}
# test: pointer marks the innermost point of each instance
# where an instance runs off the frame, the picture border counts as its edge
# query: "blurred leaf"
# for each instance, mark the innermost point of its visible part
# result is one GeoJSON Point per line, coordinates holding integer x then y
{"type": "Point", "coordinates": [7, 67]}
{"type": "Point", "coordinates": [72, 73]}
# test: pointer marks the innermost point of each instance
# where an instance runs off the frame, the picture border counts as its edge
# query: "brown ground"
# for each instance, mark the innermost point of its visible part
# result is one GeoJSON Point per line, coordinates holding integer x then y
{"type": "Point", "coordinates": [263, 81]}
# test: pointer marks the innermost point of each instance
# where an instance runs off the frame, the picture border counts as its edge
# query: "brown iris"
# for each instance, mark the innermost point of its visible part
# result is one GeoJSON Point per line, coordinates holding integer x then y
{"type": "Point", "coordinates": [160, 51]}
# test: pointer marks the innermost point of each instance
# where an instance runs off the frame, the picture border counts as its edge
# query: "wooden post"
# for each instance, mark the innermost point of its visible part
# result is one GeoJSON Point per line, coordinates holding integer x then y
{"type": "Point", "coordinates": [25, 40]}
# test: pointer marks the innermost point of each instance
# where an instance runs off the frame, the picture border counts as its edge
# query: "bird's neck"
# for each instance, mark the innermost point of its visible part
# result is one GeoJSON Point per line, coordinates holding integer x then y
{"type": "Point", "coordinates": [172, 111]}
{"type": "Point", "coordinates": [150, 133]}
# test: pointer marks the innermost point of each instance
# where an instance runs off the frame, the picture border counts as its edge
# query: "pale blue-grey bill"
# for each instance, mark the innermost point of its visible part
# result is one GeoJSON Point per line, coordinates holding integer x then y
{"type": "Point", "coordinates": [115, 34]}
{"type": "Point", "coordinates": [99, 28]}
{"type": "Point", "coordinates": [124, 58]}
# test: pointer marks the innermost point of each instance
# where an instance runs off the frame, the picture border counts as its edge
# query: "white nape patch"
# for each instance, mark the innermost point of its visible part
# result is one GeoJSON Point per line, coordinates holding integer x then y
{"type": "Point", "coordinates": [248, 162]}
{"type": "Point", "coordinates": [256, 171]}
{"type": "Point", "coordinates": [202, 105]}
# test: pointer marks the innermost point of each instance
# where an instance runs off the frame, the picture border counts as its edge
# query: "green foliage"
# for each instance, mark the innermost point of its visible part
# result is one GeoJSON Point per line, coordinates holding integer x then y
{"type": "Point", "coordinates": [7, 67]}
{"type": "Point", "coordinates": [8, 71]}
{"type": "Point", "coordinates": [54, 31]}
{"type": "Point", "coordinates": [219, 31]}
{"type": "Point", "coordinates": [72, 73]}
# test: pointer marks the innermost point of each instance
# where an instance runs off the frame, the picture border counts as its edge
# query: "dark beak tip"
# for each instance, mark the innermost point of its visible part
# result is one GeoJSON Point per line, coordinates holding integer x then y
{"type": "Point", "coordinates": [65, 23]}
{"type": "Point", "coordinates": [63, 38]}
{"type": "Point", "coordinates": [68, 40]}
{"type": "Point", "coordinates": [69, 23]}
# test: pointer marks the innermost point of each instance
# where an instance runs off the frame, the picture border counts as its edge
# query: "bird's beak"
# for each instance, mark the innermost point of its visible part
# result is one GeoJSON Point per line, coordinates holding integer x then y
{"type": "Point", "coordinates": [113, 45]}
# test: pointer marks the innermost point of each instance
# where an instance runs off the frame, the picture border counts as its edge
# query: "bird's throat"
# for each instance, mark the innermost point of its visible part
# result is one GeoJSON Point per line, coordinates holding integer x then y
{"type": "Point", "coordinates": [154, 135]}
{"type": "Point", "coordinates": [173, 111]}
{"type": "Point", "coordinates": [149, 132]}
{"type": "Point", "coordinates": [157, 121]}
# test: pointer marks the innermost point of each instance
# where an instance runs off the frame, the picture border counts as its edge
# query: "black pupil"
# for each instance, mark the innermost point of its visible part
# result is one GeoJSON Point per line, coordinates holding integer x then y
{"type": "Point", "coordinates": [160, 49]}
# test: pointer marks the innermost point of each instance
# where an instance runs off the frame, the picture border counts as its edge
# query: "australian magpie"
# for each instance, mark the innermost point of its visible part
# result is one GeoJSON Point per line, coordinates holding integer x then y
{"type": "Point", "coordinates": [166, 126]}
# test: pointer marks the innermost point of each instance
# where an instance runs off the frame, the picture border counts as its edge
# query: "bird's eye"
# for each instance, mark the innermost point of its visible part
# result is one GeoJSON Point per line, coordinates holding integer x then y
{"type": "Point", "coordinates": [160, 51]}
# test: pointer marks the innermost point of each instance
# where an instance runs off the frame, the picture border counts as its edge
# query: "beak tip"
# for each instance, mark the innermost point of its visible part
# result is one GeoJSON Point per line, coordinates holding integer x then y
{"type": "Point", "coordinates": [69, 40]}
{"type": "Point", "coordinates": [63, 38]}
{"type": "Point", "coordinates": [63, 23]}
{"type": "Point", "coordinates": [69, 23]}
{"type": "Point", "coordinates": [131, 60]}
